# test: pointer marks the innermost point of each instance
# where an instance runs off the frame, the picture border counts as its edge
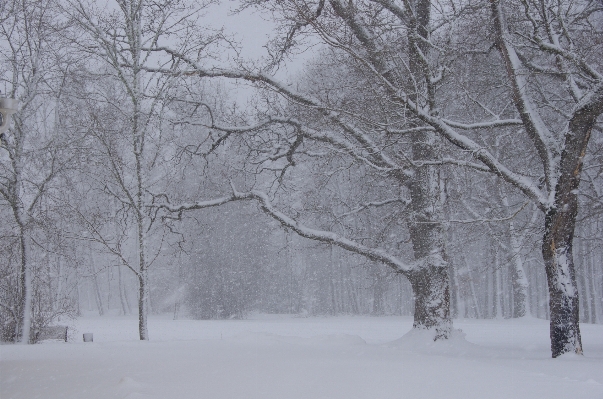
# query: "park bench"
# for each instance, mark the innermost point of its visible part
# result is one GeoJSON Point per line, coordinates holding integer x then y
{"type": "Point", "coordinates": [51, 332]}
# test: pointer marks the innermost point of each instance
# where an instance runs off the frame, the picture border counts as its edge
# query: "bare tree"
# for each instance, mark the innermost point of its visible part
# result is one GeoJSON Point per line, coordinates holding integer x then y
{"type": "Point", "coordinates": [131, 131]}
{"type": "Point", "coordinates": [36, 151]}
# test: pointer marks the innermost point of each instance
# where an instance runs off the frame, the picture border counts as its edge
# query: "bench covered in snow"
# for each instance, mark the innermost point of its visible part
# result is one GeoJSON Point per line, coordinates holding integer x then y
{"type": "Point", "coordinates": [51, 332]}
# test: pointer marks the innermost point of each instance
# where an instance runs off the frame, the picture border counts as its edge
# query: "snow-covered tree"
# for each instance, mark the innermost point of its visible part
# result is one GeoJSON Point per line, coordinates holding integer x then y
{"type": "Point", "coordinates": [129, 122]}
{"type": "Point", "coordinates": [35, 155]}
{"type": "Point", "coordinates": [414, 53]}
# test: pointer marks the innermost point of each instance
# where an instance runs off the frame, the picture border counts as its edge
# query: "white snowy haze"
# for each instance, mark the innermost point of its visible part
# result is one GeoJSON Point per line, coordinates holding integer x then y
{"type": "Point", "coordinates": [302, 199]}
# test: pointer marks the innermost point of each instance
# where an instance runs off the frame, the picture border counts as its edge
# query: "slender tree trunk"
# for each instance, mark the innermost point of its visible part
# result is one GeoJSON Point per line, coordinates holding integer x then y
{"type": "Point", "coordinates": [478, 312]}
{"type": "Point", "coordinates": [143, 275]}
{"type": "Point", "coordinates": [590, 278]}
{"type": "Point", "coordinates": [143, 294]}
{"type": "Point", "coordinates": [581, 272]}
{"type": "Point", "coordinates": [179, 290]}
{"type": "Point", "coordinates": [378, 295]}
{"type": "Point", "coordinates": [109, 278]}
{"type": "Point", "coordinates": [498, 287]}
{"type": "Point", "coordinates": [490, 293]}
{"type": "Point", "coordinates": [97, 293]}
{"type": "Point", "coordinates": [459, 300]}
{"type": "Point", "coordinates": [521, 306]}
{"type": "Point", "coordinates": [594, 309]}
{"type": "Point", "coordinates": [25, 282]}
{"type": "Point", "coordinates": [123, 300]}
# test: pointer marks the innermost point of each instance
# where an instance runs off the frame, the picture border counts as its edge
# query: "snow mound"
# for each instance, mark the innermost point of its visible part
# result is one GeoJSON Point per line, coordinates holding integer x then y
{"type": "Point", "coordinates": [422, 341]}
{"type": "Point", "coordinates": [129, 388]}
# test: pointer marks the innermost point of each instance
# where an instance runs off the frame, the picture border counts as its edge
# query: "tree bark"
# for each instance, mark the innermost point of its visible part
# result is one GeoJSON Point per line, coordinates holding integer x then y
{"type": "Point", "coordinates": [560, 223]}
{"type": "Point", "coordinates": [143, 295]}
{"type": "Point", "coordinates": [432, 299]}
{"type": "Point", "coordinates": [429, 280]}
{"type": "Point", "coordinates": [25, 296]}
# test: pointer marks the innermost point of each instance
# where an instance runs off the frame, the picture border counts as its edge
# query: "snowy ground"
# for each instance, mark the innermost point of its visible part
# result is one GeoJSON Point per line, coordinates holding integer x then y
{"type": "Point", "coordinates": [287, 357]}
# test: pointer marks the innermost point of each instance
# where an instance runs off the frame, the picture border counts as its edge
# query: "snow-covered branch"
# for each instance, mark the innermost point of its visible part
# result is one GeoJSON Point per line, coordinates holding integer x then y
{"type": "Point", "coordinates": [262, 198]}
{"type": "Point", "coordinates": [484, 125]}
{"type": "Point", "coordinates": [544, 140]}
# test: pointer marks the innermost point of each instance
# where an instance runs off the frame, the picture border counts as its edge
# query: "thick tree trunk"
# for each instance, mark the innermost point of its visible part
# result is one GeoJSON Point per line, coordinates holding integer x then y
{"type": "Point", "coordinates": [432, 299]}
{"type": "Point", "coordinates": [563, 290]}
{"type": "Point", "coordinates": [560, 223]}
{"type": "Point", "coordinates": [429, 280]}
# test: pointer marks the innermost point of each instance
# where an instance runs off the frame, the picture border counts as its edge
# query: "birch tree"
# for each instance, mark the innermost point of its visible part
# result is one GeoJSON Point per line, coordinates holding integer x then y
{"type": "Point", "coordinates": [123, 41]}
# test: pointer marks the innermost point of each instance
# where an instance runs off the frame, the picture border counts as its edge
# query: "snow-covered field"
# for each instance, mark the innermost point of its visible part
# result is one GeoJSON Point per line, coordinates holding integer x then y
{"type": "Point", "coordinates": [286, 357]}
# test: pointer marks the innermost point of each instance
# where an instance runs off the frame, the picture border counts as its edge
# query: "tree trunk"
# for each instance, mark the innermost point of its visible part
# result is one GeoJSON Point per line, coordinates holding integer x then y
{"type": "Point", "coordinates": [498, 295]}
{"type": "Point", "coordinates": [97, 293]}
{"type": "Point", "coordinates": [478, 313]}
{"type": "Point", "coordinates": [557, 248]}
{"type": "Point", "coordinates": [378, 295]}
{"type": "Point", "coordinates": [581, 271]}
{"type": "Point", "coordinates": [123, 299]}
{"type": "Point", "coordinates": [459, 300]}
{"type": "Point", "coordinates": [143, 274]}
{"type": "Point", "coordinates": [594, 309]}
{"type": "Point", "coordinates": [557, 252]}
{"type": "Point", "coordinates": [432, 299]}
{"type": "Point", "coordinates": [560, 223]}
{"type": "Point", "coordinates": [521, 306]}
{"type": "Point", "coordinates": [143, 295]}
{"type": "Point", "coordinates": [429, 280]}
{"type": "Point", "coordinates": [26, 292]}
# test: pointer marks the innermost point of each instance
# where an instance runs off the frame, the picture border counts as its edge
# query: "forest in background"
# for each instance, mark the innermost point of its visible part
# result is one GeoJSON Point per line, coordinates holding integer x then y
{"type": "Point", "coordinates": [414, 166]}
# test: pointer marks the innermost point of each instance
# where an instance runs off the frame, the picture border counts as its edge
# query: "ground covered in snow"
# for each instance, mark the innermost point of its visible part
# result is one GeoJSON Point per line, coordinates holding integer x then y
{"type": "Point", "coordinates": [287, 357]}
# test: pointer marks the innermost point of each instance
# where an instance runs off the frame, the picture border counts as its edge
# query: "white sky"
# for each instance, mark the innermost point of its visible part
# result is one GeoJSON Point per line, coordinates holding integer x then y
{"type": "Point", "coordinates": [253, 31]}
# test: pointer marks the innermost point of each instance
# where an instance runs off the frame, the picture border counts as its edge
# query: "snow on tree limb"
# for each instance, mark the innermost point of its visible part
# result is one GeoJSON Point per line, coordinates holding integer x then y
{"type": "Point", "coordinates": [484, 125]}
{"type": "Point", "coordinates": [372, 159]}
{"type": "Point", "coordinates": [266, 206]}
{"type": "Point", "coordinates": [380, 161]}
{"type": "Point", "coordinates": [544, 141]}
